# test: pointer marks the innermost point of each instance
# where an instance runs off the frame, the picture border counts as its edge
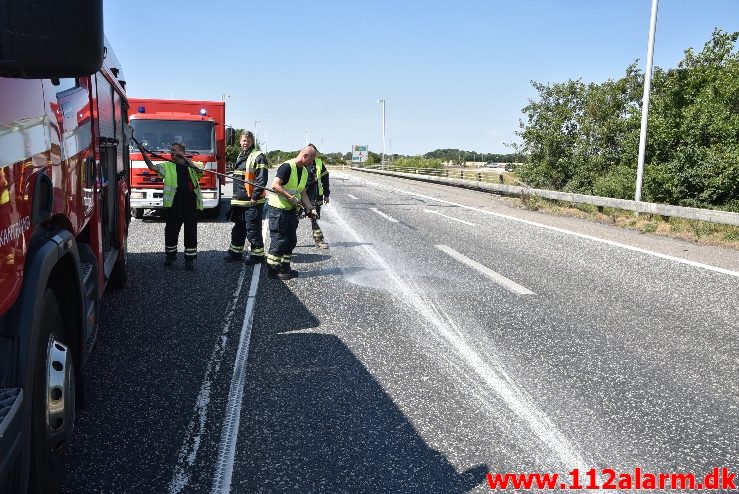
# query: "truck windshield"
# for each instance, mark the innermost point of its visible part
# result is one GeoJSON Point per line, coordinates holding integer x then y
{"type": "Point", "coordinates": [158, 135]}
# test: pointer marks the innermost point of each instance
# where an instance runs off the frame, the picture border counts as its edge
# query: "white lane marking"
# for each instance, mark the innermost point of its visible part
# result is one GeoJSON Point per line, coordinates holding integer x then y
{"type": "Point", "coordinates": [196, 428]}
{"type": "Point", "coordinates": [387, 217]}
{"type": "Point", "coordinates": [498, 278]}
{"type": "Point", "coordinates": [353, 197]}
{"type": "Point", "coordinates": [450, 217]}
{"type": "Point", "coordinates": [227, 447]}
{"type": "Point", "coordinates": [566, 232]}
{"type": "Point", "coordinates": [493, 376]}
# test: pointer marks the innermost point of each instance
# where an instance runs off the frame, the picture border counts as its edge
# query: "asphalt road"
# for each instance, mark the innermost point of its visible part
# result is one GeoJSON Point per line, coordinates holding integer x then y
{"type": "Point", "coordinates": [443, 335]}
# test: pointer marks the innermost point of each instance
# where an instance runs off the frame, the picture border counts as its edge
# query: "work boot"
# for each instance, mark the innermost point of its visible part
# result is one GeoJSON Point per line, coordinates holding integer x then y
{"type": "Point", "coordinates": [189, 264]}
{"type": "Point", "coordinates": [273, 272]}
{"type": "Point", "coordinates": [320, 243]}
{"type": "Point", "coordinates": [252, 260]}
{"type": "Point", "coordinates": [232, 256]}
{"type": "Point", "coordinates": [287, 273]}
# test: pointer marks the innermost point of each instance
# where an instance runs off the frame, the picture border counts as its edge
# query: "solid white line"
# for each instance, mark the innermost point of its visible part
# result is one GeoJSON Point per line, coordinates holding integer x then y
{"type": "Point", "coordinates": [387, 217]}
{"type": "Point", "coordinates": [567, 232]}
{"type": "Point", "coordinates": [227, 446]}
{"type": "Point", "coordinates": [498, 278]}
{"type": "Point", "coordinates": [189, 451]}
{"type": "Point", "coordinates": [450, 217]}
{"type": "Point", "coordinates": [353, 197]}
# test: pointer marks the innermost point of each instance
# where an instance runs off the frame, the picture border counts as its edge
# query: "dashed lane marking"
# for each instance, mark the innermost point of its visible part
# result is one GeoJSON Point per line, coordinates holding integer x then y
{"type": "Point", "coordinates": [387, 217]}
{"type": "Point", "coordinates": [497, 277]}
{"type": "Point", "coordinates": [449, 217]}
{"type": "Point", "coordinates": [561, 230]}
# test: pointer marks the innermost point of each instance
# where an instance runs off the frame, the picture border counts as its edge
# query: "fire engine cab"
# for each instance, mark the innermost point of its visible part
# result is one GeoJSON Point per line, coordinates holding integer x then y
{"type": "Point", "coordinates": [64, 213]}
{"type": "Point", "coordinates": [199, 125]}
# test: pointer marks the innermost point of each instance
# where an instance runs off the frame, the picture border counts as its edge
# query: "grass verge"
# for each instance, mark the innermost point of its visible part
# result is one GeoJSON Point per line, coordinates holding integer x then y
{"type": "Point", "coordinates": [700, 232]}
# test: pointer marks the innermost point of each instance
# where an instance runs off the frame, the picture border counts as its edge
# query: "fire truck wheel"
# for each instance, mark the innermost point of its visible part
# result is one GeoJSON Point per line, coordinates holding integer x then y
{"type": "Point", "coordinates": [53, 402]}
{"type": "Point", "coordinates": [138, 213]}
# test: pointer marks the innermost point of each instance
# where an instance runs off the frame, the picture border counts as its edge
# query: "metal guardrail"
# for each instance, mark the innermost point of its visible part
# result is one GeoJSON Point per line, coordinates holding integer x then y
{"type": "Point", "coordinates": [476, 181]}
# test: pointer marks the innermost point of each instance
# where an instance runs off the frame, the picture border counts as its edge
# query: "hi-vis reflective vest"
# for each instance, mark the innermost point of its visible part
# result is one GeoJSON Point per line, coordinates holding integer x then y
{"type": "Point", "coordinates": [319, 174]}
{"type": "Point", "coordinates": [250, 174]}
{"type": "Point", "coordinates": [293, 187]}
{"type": "Point", "coordinates": [168, 171]}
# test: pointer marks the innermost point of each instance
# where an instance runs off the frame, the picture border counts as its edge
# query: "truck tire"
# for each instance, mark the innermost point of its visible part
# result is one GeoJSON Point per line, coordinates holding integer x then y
{"type": "Point", "coordinates": [138, 213]}
{"type": "Point", "coordinates": [53, 405]}
{"type": "Point", "coordinates": [119, 276]}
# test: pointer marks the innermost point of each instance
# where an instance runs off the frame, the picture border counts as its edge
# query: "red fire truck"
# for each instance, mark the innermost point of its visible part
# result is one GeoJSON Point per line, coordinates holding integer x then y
{"type": "Point", "coordinates": [64, 217]}
{"type": "Point", "coordinates": [199, 125]}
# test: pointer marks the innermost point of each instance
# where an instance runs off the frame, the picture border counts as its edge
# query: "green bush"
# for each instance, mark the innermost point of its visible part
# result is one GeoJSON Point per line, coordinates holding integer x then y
{"type": "Point", "coordinates": [584, 137]}
{"type": "Point", "coordinates": [418, 162]}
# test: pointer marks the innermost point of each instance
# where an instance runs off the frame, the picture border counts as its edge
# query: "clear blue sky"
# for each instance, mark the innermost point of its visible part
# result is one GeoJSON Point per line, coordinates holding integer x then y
{"type": "Point", "coordinates": [454, 74]}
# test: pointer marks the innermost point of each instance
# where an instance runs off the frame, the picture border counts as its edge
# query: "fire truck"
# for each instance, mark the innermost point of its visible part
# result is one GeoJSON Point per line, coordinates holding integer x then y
{"type": "Point", "coordinates": [64, 214]}
{"type": "Point", "coordinates": [199, 125]}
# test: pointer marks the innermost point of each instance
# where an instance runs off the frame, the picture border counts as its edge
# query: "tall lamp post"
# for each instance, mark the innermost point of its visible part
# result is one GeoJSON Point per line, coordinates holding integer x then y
{"type": "Point", "coordinates": [645, 101]}
{"type": "Point", "coordinates": [256, 134]}
{"type": "Point", "coordinates": [382, 102]}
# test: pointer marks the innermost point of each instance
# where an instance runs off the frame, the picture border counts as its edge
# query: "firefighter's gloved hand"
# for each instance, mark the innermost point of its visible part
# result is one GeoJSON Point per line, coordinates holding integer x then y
{"type": "Point", "coordinates": [312, 214]}
{"type": "Point", "coordinates": [325, 200]}
{"type": "Point", "coordinates": [228, 214]}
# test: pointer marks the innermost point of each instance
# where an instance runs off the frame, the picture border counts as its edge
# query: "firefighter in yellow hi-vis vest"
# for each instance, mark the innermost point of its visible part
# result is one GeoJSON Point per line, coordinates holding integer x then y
{"type": "Point", "coordinates": [284, 205]}
{"type": "Point", "coordinates": [318, 191]}
{"type": "Point", "coordinates": [247, 202]}
{"type": "Point", "coordinates": [182, 200]}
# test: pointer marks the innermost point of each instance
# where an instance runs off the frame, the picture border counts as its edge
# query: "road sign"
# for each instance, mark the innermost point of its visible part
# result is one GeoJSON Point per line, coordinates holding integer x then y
{"type": "Point", "coordinates": [359, 153]}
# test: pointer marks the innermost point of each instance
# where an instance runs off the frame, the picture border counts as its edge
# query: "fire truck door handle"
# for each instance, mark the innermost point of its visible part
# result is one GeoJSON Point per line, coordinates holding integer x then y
{"type": "Point", "coordinates": [90, 171]}
{"type": "Point", "coordinates": [43, 199]}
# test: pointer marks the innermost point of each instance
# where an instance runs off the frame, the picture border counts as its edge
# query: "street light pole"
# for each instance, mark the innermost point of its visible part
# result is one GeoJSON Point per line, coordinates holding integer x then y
{"type": "Point", "coordinates": [255, 131]}
{"type": "Point", "coordinates": [382, 101]}
{"type": "Point", "coordinates": [645, 101]}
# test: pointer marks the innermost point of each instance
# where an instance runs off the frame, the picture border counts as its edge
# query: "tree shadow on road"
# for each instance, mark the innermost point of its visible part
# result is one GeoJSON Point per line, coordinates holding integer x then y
{"type": "Point", "coordinates": [316, 420]}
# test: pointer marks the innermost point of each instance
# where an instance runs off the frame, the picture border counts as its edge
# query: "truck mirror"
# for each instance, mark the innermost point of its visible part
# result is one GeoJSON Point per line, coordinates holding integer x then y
{"type": "Point", "coordinates": [51, 39]}
{"type": "Point", "coordinates": [230, 136]}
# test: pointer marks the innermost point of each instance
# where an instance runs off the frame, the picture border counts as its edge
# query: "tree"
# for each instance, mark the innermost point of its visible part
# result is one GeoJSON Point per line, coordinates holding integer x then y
{"type": "Point", "coordinates": [584, 137]}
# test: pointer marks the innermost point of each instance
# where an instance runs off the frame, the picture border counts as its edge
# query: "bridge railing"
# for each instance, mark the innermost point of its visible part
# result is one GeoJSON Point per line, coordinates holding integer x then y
{"type": "Point", "coordinates": [486, 181]}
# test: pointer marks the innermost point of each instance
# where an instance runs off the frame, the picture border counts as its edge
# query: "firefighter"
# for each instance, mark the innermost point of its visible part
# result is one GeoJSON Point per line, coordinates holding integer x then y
{"type": "Point", "coordinates": [182, 199]}
{"type": "Point", "coordinates": [247, 202]}
{"type": "Point", "coordinates": [318, 192]}
{"type": "Point", "coordinates": [284, 206]}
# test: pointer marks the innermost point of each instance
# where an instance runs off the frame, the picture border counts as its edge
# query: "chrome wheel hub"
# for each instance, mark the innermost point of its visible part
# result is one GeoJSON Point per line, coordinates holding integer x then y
{"type": "Point", "coordinates": [60, 397]}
